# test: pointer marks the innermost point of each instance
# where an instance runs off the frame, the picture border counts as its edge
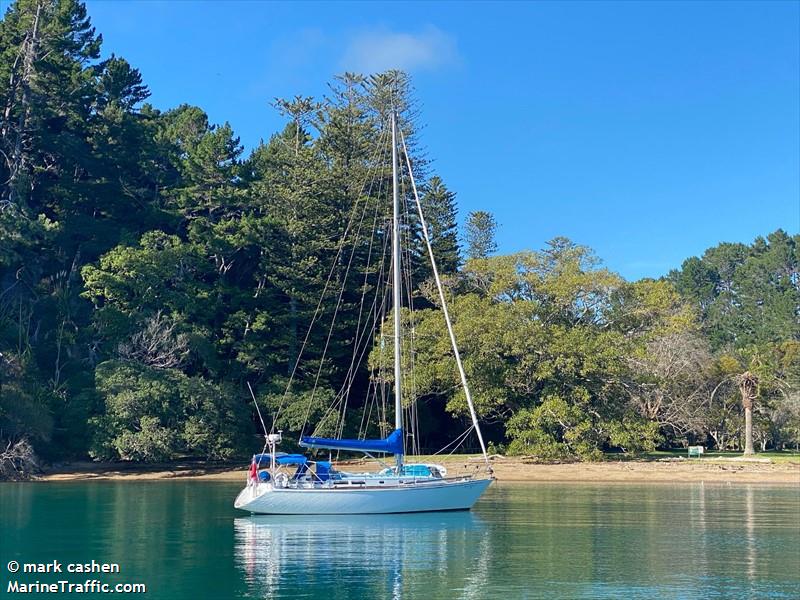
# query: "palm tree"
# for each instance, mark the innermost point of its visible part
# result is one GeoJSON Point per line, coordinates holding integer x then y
{"type": "Point", "coordinates": [748, 387]}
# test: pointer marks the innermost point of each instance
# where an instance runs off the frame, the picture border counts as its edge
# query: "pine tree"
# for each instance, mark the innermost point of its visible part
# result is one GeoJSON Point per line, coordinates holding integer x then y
{"type": "Point", "coordinates": [207, 160]}
{"type": "Point", "coordinates": [480, 234]}
{"type": "Point", "coordinates": [745, 294]}
{"type": "Point", "coordinates": [439, 209]}
{"type": "Point", "coordinates": [48, 90]}
{"type": "Point", "coordinates": [299, 242]}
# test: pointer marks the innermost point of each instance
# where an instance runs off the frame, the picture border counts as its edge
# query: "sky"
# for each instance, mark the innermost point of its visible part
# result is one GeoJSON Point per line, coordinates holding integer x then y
{"type": "Point", "coordinates": [648, 131]}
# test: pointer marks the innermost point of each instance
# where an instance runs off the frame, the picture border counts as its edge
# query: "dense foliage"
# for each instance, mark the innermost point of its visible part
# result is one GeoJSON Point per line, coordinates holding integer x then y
{"type": "Point", "coordinates": [150, 270]}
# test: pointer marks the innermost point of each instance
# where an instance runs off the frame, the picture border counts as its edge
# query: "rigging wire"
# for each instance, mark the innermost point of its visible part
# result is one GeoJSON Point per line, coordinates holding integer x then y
{"type": "Point", "coordinates": [333, 318]}
{"type": "Point", "coordinates": [258, 410]}
{"type": "Point", "coordinates": [460, 439]}
{"type": "Point", "coordinates": [376, 388]}
{"type": "Point", "coordinates": [361, 334]}
{"type": "Point", "coordinates": [324, 291]}
{"type": "Point", "coordinates": [444, 307]}
{"type": "Point", "coordinates": [413, 427]}
{"type": "Point", "coordinates": [260, 418]}
{"type": "Point", "coordinates": [340, 398]}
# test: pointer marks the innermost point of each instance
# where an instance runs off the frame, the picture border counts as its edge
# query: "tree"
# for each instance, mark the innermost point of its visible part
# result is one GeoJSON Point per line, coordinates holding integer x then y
{"type": "Point", "coordinates": [480, 234]}
{"type": "Point", "coordinates": [672, 377]}
{"type": "Point", "coordinates": [159, 414]}
{"type": "Point", "coordinates": [46, 90]}
{"type": "Point", "coordinates": [748, 387]}
{"type": "Point", "coordinates": [545, 349]}
{"type": "Point", "coordinates": [301, 111]}
{"type": "Point", "coordinates": [439, 209]}
{"type": "Point", "coordinates": [148, 269]}
{"type": "Point", "coordinates": [17, 460]}
{"type": "Point", "coordinates": [77, 166]}
{"type": "Point", "coordinates": [747, 297]}
{"type": "Point", "coordinates": [299, 238]}
{"type": "Point", "coordinates": [746, 294]}
{"type": "Point", "coordinates": [157, 344]}
{"type": "Point", "coordinates": [119, 83]}
{"type": "Point", "coordinates": [208, 163]}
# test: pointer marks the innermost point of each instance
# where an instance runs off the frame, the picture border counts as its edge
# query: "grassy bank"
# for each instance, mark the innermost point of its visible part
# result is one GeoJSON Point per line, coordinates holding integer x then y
{"type": "Point", "coordinates": [773, 456]}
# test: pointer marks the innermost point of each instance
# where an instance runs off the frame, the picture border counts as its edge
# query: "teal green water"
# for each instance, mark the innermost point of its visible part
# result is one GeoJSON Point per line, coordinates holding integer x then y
{"type": "Point", "coordinates": [184, 540]}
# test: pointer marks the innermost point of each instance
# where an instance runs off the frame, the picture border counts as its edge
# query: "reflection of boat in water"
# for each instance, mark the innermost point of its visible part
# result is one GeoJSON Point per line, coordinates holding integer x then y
{"type": "Point", "coordinates": [382, 556]}
{"type": "Point", "coordinates": [403, 488]}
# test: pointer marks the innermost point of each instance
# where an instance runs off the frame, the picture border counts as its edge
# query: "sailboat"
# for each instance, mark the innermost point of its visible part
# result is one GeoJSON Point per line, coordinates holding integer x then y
{"type": "Point", "coordinates": [316, 487]}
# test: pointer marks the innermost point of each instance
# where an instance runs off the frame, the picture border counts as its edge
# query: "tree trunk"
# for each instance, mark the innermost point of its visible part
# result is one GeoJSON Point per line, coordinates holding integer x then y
{"type": "Point", "coordinates": [17, 161]}
{"type": "Point", "coordinates": [748, 431]}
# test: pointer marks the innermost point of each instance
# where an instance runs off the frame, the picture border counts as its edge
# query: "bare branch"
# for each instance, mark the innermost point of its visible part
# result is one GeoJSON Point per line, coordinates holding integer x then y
{"type": "Point", "coordinates": [157, 344]}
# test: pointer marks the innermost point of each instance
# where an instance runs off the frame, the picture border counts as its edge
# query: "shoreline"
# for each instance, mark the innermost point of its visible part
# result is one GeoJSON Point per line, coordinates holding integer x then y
{"type": "Point", "coordinates": [517, 470]}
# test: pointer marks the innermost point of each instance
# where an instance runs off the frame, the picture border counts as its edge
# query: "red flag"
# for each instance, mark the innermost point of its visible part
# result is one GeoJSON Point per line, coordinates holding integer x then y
{"type": "Point", "coordinates": [253, 471]}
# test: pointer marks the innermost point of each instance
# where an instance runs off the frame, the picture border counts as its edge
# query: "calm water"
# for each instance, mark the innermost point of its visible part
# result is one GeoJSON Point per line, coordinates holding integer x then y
{"type": "Point", "coordinates": [184, 540]}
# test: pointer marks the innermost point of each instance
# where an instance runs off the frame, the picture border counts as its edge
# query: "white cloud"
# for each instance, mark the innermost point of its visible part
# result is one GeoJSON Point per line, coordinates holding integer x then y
{"type": "Point", "coordinates": [374, 51]}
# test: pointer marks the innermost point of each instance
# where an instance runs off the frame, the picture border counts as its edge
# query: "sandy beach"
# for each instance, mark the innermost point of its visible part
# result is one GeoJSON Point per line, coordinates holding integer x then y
{"type": "Point", "coordinates": [506, 469]}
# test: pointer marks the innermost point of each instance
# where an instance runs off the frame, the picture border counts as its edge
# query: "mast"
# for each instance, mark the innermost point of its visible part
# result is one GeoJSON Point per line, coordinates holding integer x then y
{"type": "Point", "coordinates": [398, 380]}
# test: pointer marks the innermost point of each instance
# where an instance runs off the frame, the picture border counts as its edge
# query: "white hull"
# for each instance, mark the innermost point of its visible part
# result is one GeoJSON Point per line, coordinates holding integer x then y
{"type": "Point", "coordinates": [263, 498]}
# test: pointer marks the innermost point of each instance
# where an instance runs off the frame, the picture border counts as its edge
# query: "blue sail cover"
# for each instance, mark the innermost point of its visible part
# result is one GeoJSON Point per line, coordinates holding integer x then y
{"type": "Point", "coordinates": [391, 445]}
{"type": "Point", "coordinates": [280, 459]}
